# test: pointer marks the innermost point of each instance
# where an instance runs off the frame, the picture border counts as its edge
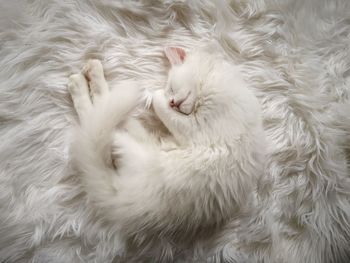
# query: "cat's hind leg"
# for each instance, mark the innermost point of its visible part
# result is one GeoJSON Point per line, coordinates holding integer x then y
{"type": "Point", "coordinates": [79, 90]}
{"type": "Point", "coordinates": [110, 106]}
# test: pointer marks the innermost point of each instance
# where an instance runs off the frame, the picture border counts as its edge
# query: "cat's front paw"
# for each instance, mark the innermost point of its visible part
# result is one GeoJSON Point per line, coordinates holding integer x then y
{"type": "Point", "coordinates": [159, 100]}
{"type": "Point", "coordinates": [158, 95]}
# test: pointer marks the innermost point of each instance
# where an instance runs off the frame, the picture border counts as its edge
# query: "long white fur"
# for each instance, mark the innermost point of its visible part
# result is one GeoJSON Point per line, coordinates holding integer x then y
{"type": "Point", "coordinates": [205, 180]}
{"type": "Point", "coordinates": [295, 55]}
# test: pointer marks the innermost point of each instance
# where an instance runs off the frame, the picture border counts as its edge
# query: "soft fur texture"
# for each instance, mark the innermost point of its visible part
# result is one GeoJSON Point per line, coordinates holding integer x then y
{"type": "Point", "coordinates": [192, 181]}
{"type": "Point", "coordinates": [295, 54]}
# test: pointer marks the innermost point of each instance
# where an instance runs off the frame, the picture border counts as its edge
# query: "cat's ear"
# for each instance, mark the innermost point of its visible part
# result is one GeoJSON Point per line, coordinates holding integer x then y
{"type": "Point", "coordinates": [175, 55]}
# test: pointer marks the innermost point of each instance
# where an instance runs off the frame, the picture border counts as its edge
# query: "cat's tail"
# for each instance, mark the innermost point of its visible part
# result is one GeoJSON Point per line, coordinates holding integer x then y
{"type": "Point", "coordinates": [91, 149]}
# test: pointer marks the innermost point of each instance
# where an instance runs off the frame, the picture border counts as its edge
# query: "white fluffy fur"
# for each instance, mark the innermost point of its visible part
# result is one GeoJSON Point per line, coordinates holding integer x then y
{"type": "Point", "coordinates": [194, 180]}
{"type": "Point", "coordinates": [295, 54]}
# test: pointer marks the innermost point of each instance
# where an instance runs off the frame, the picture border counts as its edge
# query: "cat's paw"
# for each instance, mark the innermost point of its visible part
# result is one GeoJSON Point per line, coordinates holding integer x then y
{"type": "Point", "coordinates": [158, 94]}
{"type": "Point", "coordinates": [158, 99]}
{"type": "Point", "coordinates": [77, 85]}
{"type": "Point", "coordinates": [93, 71]}
{"type": "Point", "coordinates": [79, 90]}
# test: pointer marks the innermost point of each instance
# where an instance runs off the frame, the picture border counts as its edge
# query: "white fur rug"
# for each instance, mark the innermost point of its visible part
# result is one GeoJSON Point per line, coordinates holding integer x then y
{"type": "Point", "coordinates": [296, 55]}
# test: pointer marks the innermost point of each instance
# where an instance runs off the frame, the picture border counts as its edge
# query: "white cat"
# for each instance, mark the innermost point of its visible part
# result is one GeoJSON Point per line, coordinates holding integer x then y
{"type": "Point", "coordinates": [200, 177]}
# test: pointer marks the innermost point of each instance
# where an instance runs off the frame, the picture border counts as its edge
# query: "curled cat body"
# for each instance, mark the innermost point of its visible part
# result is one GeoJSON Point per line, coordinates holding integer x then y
{"type": "Point", "coordinates": [181, 187]}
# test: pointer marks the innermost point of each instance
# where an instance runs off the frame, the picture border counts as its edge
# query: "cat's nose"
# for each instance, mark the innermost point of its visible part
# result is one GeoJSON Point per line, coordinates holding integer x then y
{"type": "Point", "coordinates": [175, 104]}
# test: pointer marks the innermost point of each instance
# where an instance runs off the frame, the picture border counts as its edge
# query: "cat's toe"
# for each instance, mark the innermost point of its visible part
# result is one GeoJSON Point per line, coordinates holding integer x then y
{"type": "Point", "coordinates": [93, 69]}
{"type": "Point", "coordinates": [93, 72]}
{"type": "Point", "coordinates": [76, 84]}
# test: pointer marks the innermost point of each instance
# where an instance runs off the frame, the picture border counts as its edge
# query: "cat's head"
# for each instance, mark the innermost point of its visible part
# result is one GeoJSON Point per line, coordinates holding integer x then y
{"type": "Point", "coordinates": [181, 89]}
{"type": "Point", "coordinates": [195, 80]}
{"type": "Point", "coordinates": [202, 86]}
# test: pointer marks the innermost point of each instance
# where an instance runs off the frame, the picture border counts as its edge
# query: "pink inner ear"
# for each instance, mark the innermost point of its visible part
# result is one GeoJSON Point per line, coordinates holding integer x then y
{"type": "Point", "coordinates": [175, 55]}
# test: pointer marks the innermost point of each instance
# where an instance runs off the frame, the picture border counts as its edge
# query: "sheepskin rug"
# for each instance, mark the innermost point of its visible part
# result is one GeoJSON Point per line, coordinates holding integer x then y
{"type": "Point", "coordinates": [296, 57]}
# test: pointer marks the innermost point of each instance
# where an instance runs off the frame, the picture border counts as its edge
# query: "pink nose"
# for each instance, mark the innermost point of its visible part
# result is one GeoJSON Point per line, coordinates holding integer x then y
{"type": "Point", "coordinates": [175, 104]}
{"type": "Point", "coordinates": [172, 103]}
